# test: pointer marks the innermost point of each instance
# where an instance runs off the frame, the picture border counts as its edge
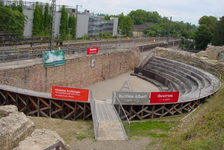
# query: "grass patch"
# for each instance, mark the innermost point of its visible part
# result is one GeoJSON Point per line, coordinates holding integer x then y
{"type": "Point", "coordinates": [206, 130]}
{"type": "Point", "coordinates": [81, 137]}
{"type": "Point", "coordinates": [70, 131]}
{"type": "Point", "coordinates": [151, 128]}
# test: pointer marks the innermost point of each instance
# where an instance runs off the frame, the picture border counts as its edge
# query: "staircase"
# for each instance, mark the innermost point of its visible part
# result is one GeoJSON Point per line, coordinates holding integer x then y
{"type": "Point", "coordinates": [107, 123]}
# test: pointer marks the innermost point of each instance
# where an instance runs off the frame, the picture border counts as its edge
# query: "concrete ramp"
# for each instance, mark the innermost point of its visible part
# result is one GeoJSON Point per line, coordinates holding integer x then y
{"type": "Point", "coordinates": [107, 124]}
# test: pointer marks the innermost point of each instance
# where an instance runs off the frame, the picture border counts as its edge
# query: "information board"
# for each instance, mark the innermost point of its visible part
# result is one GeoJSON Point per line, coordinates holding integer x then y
{"type": "Point", "coordinates": [70, 93]}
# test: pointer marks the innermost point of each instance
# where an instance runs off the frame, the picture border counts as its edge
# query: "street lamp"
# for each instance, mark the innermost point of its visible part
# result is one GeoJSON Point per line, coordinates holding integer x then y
{"type": "Point", "coordinates": [76, 23]}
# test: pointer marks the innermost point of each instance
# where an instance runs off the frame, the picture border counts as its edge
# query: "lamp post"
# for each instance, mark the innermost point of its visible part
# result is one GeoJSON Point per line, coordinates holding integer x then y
{"type": "Point", "coordinates": [76, 16]}
{"type": "Point", "coordinates": [169, 28]}
{"type": "Point", "coordinates": [53, 10]}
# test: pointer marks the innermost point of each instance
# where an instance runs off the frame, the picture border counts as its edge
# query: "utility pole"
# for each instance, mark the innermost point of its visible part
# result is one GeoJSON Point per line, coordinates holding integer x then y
{"type": "Point", "coordinates": [169, 29]}
{"type": "Point", "coordinates": [76, 17]}
{"type": "Point", "coordinates": [53, 11]}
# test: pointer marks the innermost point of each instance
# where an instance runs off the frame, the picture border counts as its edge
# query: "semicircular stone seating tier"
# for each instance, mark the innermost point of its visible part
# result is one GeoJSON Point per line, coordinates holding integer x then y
{"type": "Point", "coordinates": [192, 83]}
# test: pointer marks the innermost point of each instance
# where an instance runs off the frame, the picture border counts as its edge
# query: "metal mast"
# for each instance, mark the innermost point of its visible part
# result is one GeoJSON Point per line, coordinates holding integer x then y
{"type": "Point", "coordinates": [53, 11]}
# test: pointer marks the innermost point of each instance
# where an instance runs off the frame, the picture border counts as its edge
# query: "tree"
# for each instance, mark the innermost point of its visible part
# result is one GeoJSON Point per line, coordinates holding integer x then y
{"type": "Point", "coordinates": [38, 20]}
{"type": "Point", "coordinates": [64, 23]}
{"type": "Point", "coordinates": [125, 25]}
{"type": "Point", "coordinates": [219, 33]}
{"type": "Point", "coordinates": [210, 22]}
{"type": "Point", "coordinates": [203, 36]}
{"type": "Point", "coordinates": [154, 30]}
{"type": "Point", "coordinates": [11, 21]}
{"type": "Point", "coordinates": [46, 21]}
{"type": "Point", "coordinates": [72, 25]}
{"type": "Point", "coordinates": [153, 17]}
{"type": "Point", "coordinates": [138, 16]}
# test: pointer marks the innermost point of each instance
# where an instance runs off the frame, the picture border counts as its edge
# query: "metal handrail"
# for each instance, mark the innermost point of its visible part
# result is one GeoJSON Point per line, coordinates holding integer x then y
{"type": "Point", "coordinates": [128, 121]}
{"type": "Point", "coordinates": [94, 115]}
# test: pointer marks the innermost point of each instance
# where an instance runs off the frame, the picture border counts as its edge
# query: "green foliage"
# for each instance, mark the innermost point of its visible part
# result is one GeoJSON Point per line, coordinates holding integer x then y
{"type": "Point", "coordinates": [187, 44]}
{"type": "Point", "coordinates": [138, 16]}
{"type": "Point", "coordinates": [64, 23]}
{"type": "Point", "coordinates": [219, 33]}
{"type": "Point", "coordinates": [17, 7]}
{"type": "Point", "coordinates": [72, 25]}
{"type": "Point", "coordinates": [12, 21]}
{"type": "Point", "coordinates": [141, 16]}
{"type": "Point", "coordinates": [153, 17]}
{"type": "Point", "coordinates": [207, 132]}
{"type": "Point", "coordinates": [203, 36]}
{"type": "Point", "coordinates": [125, 25]}
{"type": "Point", "coordinates": [46, 21]}
{"type": "Point", "coordinates": [156, 129]}
{"type": "Point", "coordinates": [105, 35]}
{"type": "Point", "coordinates": [38, 20]}
{"type": "Point", "coordinates": [172, 29]}
{"type": "Point", "coordinates": [211, 23]}
{"type": "Point", "coordinates": [81, 137]}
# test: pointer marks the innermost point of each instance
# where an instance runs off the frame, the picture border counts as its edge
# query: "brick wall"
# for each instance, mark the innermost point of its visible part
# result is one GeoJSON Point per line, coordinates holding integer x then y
{"type": "Point", "coordinates": [77, 72]}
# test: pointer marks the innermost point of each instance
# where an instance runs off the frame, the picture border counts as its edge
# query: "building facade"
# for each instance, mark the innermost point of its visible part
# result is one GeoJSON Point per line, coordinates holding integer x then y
{"type": "Point", "coordinates": [92, 25]}
{"type": "Point", "coordinates": [87, 24]}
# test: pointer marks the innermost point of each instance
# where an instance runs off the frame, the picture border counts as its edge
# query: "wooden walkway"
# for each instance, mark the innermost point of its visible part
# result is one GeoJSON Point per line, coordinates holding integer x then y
{"type": "Point", "coordinates": [107, 123]}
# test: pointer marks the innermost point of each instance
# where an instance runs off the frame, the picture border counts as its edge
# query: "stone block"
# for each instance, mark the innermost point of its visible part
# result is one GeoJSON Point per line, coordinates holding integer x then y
{"type": "Point", "coordinates": [39, 140]}
{"type": "Point", "coordinates": [14, 128]}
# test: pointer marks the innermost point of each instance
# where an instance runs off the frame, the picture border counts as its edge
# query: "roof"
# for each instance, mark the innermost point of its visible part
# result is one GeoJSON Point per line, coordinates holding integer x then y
{"type": "Point", "coordinates": [142, 27]}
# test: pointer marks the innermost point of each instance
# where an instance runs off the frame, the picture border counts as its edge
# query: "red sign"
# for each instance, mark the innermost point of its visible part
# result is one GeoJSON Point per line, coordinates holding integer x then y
{"type": "Point", "coordinates": [70, 93]}
{"type": "Point", "coordinates": [164, 97]}
{"type": "Point", "coordinates": [92, 50]}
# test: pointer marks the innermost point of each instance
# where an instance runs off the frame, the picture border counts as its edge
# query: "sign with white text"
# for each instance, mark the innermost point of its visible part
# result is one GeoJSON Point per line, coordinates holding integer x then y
{"type": "Point", "coordinates": [92, 50]}
{"type": "Point", "coordinates": [133, 97]}
{"type": "Point", "coordinates": [70, 93]}
{"type": "Point", "coordinates": [164, 97]}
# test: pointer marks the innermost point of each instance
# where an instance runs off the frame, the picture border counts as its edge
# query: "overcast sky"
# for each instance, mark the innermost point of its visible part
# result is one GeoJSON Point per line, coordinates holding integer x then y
{"type": "Point", "coordinates": [180, 10]}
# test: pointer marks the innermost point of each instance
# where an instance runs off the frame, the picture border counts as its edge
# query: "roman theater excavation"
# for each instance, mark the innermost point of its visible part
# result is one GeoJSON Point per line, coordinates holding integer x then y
{"type": "Point", "coordinates": [121, 87]}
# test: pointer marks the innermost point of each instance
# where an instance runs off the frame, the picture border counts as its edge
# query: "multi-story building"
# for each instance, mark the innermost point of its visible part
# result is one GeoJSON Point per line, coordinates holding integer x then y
{"type": "Point", "coordinates": [87, 24]}
{"type": "Point", "coordinates": [91, 25]}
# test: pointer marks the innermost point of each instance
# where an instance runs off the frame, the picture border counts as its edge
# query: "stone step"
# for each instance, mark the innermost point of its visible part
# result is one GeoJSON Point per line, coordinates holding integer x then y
{"type": "Point", "coordinates": [109, 130]}
{"type": "Point", "coordinates": [107, 124]}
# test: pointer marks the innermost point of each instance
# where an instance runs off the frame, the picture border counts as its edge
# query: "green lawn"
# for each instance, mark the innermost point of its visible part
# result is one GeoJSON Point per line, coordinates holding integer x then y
{"type": "Point", "coordinates": [152, 128]}
{"type": "Point", "coordinates": [206, 130]}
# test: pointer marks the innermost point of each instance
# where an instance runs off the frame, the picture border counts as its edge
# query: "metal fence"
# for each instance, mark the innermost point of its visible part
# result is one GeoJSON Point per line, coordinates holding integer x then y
{"type": "Point", "coordinates": [19, 53]}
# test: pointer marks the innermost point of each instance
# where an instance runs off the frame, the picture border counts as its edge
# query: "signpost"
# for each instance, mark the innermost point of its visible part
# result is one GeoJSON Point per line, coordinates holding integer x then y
{"type": "Point", "coordinates": [70, 93]}
{"type": "Point", "coordinates": [132, 97]}
{"type": "Point", "coordinates": [164, 97]}
{"type": "Point", "coordinates": [53, 58]}
{"type": "Point", "coordinates": [92, 50]}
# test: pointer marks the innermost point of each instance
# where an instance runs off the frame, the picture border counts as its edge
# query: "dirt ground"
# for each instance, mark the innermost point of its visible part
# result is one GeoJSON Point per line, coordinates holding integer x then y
{"type": "Point", "coordinates": [133, 144]}
{"type": "Point", "coordinates": [79, 135]}
{"type": "Point", "coordinates": [103, 90]}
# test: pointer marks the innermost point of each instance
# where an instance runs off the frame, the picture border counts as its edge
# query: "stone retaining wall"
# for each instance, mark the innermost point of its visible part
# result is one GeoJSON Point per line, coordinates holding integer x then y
{"type": "Point", "coordinates": [77, 72]}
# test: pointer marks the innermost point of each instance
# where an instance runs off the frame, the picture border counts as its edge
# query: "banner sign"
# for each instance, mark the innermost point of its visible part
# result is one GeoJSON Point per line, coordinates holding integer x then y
{"type": "Point", "coordinates": [133, 97]}
{"type": "Point", "coordinates": [53, 58]}
{"type": "Point", "coordinates": [92, 50]}
{"type": "Point", "coordinates": [164, 97]}
{"type": "Point", "coordinates": [70, 93]}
